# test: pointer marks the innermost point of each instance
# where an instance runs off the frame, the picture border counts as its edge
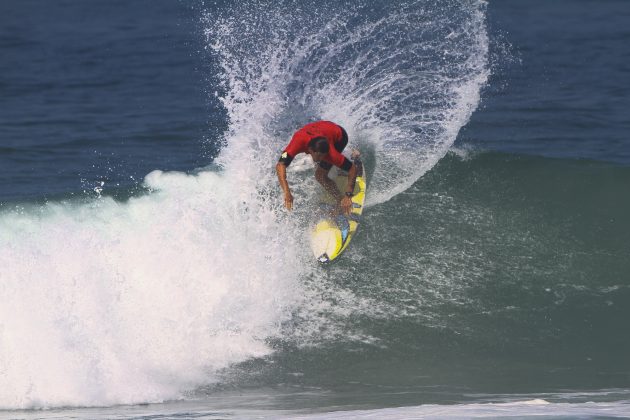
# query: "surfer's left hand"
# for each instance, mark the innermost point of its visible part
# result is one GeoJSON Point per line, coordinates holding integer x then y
{"type": "Point", "coordinates": [346, 205]}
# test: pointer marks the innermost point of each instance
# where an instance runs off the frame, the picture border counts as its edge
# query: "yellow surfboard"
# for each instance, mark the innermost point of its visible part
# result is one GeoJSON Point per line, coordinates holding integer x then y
{"type": "Point", "coordinates": [333, 232]}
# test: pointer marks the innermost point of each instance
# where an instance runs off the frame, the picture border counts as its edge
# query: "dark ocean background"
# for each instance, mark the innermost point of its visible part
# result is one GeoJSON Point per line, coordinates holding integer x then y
{"type": "Point", "coordinates": [148, 270]}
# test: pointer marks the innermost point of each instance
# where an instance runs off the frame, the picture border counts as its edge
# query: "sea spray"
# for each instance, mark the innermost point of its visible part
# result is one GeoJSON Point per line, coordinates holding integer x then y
{"type": "Point", "coordinates": [401, 79]}
{"type": "Point", "coordinates": [117, 302]}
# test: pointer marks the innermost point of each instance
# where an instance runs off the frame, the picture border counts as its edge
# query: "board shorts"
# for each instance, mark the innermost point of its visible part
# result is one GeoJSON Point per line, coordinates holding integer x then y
{"type": "Point", "coordinates": [338, 147]}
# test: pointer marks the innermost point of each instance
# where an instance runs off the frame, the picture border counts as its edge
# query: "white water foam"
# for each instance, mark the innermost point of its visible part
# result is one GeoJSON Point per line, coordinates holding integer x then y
{"type": "Point", "coordinates": [536, 408]}
{"type": "Point", "coordinates": [108, 303]}
{"type": "Point", "coordinates": [524, 409]}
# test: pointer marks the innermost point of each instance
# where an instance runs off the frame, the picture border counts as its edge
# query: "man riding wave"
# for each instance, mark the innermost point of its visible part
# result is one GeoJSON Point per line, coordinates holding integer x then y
{"type": "Point", "coordinates": [324, 141]}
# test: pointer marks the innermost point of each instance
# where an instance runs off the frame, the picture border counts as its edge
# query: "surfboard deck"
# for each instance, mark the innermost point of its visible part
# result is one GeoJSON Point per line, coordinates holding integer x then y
{"type": "Point", "coordinates": [332, 232]}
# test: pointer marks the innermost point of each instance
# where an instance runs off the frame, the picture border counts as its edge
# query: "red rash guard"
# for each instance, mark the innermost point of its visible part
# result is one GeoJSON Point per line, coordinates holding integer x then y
{"type": "Point", "coordinates": [299, 143]}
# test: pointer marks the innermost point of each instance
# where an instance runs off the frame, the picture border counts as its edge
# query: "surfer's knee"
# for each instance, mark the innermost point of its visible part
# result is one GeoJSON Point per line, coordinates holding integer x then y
{"type": "Point", "coordinates": [320, 174]}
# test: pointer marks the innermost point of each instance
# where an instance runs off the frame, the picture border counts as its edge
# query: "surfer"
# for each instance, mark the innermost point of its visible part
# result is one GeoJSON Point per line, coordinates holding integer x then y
{"type": "Point", "coordinates": [324, 141]}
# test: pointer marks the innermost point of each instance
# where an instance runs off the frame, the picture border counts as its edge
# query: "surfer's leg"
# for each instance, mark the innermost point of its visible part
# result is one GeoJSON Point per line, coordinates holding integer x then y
{"type": "Point", "coordinates": [356, 159]}
{"type": "Point", "coordinates": [323, 169]}
{"type": "Point", "coordinates": [321, 175]}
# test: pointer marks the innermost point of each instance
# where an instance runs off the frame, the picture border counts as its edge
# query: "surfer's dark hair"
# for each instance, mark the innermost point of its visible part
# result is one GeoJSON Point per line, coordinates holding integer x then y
{"type": "Point", "coordinates": [319, 144]}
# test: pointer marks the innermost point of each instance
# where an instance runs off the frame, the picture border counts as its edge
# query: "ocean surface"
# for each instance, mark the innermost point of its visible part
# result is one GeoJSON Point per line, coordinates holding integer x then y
{"type": "Point", "coordinates": [148, 269]}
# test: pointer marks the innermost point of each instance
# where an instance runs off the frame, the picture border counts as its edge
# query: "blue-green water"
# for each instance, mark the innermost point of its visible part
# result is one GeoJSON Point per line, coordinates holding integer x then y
{"type": "Point", "coordinates": [148, 269]}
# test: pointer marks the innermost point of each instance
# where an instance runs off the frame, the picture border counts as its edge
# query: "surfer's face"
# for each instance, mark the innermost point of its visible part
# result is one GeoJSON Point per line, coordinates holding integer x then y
{"type": "Point", "coordinates": [317, 156]}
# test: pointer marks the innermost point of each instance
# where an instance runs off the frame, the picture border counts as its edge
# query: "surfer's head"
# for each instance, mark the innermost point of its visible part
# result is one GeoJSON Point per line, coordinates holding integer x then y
{"type": "Point", "coordinates": [318, 148]}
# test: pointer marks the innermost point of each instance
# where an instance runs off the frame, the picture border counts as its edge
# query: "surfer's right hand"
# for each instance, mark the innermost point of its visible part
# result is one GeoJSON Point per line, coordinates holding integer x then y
{"type": "Point", "coordinates": [288, 201]}
{"type": "Point", "coordinates": [346, 205]}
